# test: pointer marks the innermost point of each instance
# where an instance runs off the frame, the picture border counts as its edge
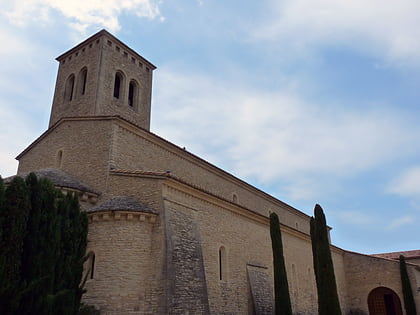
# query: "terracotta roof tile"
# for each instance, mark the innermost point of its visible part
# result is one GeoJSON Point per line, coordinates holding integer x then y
{"type": "Point", "coordinates": [411, 254]}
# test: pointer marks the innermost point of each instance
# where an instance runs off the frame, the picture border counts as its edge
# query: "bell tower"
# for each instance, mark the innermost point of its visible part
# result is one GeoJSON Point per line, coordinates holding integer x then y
{"type": "Point", "coordinates": [103, 77]}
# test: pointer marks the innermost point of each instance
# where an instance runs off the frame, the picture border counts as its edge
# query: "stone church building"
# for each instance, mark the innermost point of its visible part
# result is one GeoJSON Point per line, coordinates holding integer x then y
{"type": "Point", "coordinates": [170, 233]}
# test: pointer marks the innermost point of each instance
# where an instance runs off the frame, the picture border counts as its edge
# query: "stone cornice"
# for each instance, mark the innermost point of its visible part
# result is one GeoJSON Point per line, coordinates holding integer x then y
{"type": "Point", "coordinates": [174, 149]}
{"type": "Point", "coordinates": [117, 215]}
{"type": "Point", "coordinates": [192, 158]}
{"type": "Point", "coordinates": [109, 36]}
{"type": "Point", "coordinates": [172, 182]}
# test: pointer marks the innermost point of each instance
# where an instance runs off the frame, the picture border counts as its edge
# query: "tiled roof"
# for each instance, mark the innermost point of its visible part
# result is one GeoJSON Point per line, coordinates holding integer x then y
{"type": "Point", "coordinates": [411, 254]}
{"type": "Point", "coordinates": [58, 178]}
{"type": "Point", "coordinates": [122, 203]}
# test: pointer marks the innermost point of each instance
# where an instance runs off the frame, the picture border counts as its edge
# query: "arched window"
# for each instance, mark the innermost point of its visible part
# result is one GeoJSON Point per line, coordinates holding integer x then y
{"type": "Point", "coordinates": [222, 264]}
{"type": "Point", "coordinates": [59, 158]}
{"type": "Point", "coordinates": [132, 94]}
{"type": "Point", "coordinates": [91, 265]}
{"type": "Point", "coordinates": [118, 84]}
{"type": "Point", "coordinates": [81, 81]}
{"type": "Point", "coordinates": [68, 92]}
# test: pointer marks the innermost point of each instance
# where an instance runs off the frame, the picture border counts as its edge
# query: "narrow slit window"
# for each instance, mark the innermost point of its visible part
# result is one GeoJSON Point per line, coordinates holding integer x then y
{"type": "Point", "coordinates": [132, 94]}
{"type": "Point", "coordinates": [68, 92]}
{"type": "Point", "coordinates": [222, 263]}
{"type": "Point", "coordinates": [82, 80]}
{"type": "Point", "coordinates": [90, 271]}
{"type": "Point", "coordinates": [117, 85]}
{"type": "Point", "coordinates": [92, 265]}
{"type": "Point", "coordinates": [59, 159]}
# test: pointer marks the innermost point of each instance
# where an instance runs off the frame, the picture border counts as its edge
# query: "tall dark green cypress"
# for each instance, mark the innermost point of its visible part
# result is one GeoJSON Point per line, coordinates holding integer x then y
{"type": "Point", "coordinates": [14, 216]}
{"type": "Point", "coordinates": [283, 305]}
{"type": "Point", "coordinates": [47, 229]}
{"type": "Point", "coordinates": [40, 246]}
{"type": "Point", "coordinates": [2, 192]}
{"type": "Point", "coordinates": [409, 303]}
{"type": "Point", "coordinates": [328, 302]}
{"type": "Point", "coordinates": [71, 255]}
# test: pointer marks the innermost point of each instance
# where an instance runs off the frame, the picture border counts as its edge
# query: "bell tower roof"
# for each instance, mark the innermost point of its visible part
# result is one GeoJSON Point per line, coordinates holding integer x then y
{"type": "Point", "coordinates": [112, 38]}
{"type": "Point", "coordinates": [102, 76]}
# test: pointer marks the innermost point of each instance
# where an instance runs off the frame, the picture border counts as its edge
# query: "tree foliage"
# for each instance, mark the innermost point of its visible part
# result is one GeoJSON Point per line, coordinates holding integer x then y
{"type": "Point", "coordinates": [409, 303]}
{"type": "Point", "coordinates": [283, 305]}
{"type": "Point", "coordinates": [43, 237]}
{"type": "Point", "coordinates": [328, 302]}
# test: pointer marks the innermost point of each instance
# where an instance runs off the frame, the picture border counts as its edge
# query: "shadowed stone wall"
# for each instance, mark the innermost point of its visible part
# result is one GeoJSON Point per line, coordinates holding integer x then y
{"type": "Point", "coordinates": [187, 291]}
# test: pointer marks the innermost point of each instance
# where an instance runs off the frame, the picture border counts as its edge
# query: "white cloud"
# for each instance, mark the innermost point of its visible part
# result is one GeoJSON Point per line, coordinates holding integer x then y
{"type": "Point", "coordinates": [397, 223]}
{"type": "Point", "coordinates": [271, 136]}
{"type": "Point", "coordinates": [407, 184]}
{"type": "Point", "coordinates": [389, 28]}
{"type": "Point", "coordinates": [15, 44]}
{"type": "Point", "coordinates": [83, 14]}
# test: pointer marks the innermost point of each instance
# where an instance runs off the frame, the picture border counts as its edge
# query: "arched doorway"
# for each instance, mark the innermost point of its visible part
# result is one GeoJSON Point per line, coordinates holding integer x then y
{"type": "Point", "coordinates": [384, 301]}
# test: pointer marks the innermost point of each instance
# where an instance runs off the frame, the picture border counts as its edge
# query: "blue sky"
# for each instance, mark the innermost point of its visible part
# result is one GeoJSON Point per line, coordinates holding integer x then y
{"type": "Point", "coordinates": [311, 101]}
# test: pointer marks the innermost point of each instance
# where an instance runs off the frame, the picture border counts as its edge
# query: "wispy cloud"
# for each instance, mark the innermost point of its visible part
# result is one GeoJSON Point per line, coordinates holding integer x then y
{"type": "Point", "coordinates": [407, 184]}
{"type": "Point", "coordinates": [388, 29]}
{"type": "Point", "coordinates": [81, 14]}
{"type": "Point", "coordinates": [399, 222]}
{"type": "Point", "coordinates": [269, 136]}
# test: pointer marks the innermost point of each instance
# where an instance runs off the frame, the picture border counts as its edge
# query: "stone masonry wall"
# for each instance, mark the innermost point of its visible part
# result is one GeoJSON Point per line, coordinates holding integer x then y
{"type": "Point", "coordinates": [85, 151]}
{"type": "Point", "coordinates": [365, 273]}
{"type": "Point", "coordinates": [247, 242]}
{"type": "Point", "coordinates": [124, 266]}
{"type": "Point", "coordinates": [135, 149]}
{"type": "Point", "coordinates": [80, 105]}
{"type": "Point", "coordinates": [187, 290]}
{"type": "Point", "coordinates": [116, 57]}
{"type": "Point", "coordinates": [261, 290]}
{"type": "Point", "coordinates": [102, 56]}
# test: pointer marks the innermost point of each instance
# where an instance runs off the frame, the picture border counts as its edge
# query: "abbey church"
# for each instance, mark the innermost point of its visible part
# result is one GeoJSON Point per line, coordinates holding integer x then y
{"type": "Point", "coordinates": [170, 233]}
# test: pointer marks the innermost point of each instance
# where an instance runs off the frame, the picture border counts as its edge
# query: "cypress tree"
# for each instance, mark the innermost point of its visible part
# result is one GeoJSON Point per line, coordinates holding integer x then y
{"type": "Point", "coordinates": [2, 197]}
{"type": "Point", "coordinates": [328, 302]}
{"type": "Point", "coordinates": [47, 229]}
{"type": "Point", "coordinates": [1, 194]}
{"type": "Point", "coordinates": [40, 246]}
{"type": "Point", "coordinates": [14, 216]}
{"type": "Point", "coordinates": [71, 256]}
{"type": "Point", "coordinates": [409, 304]}
{"type": "Point", "coordinates": [283, 305]}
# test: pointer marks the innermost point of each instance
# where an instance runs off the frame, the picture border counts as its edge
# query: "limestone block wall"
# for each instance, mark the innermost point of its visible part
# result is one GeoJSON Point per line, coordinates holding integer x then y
{"type": "Point", "coordinates": [416, 286]}
{"type": "Point", "coordinates": [365, 273]}
{"type": "Point", "coordinates": [135, 149]}
{"type": "Point", "coordinates": [186, 283]}
{"type": "Point", "coordinates": [415, 261]}
{"type": "Point", "coordinates": [147, 190]}
{"type": "Point", "coordinates": [246, 240]}
{"type": "Point", "coordinates": [124, 274]}
{"type": "Point", "coordinates": [84, 146]}
{"type": "Point", "coordinates": [260, 290]}
{"type": "Point", "coordinates": [88, 55]}
{"type": "Point", "coordinates": [102, 55]}
{"type": "Point", "coordinates": [340, 276]}
{"type": "Point", "coordinates": [117, 57]}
